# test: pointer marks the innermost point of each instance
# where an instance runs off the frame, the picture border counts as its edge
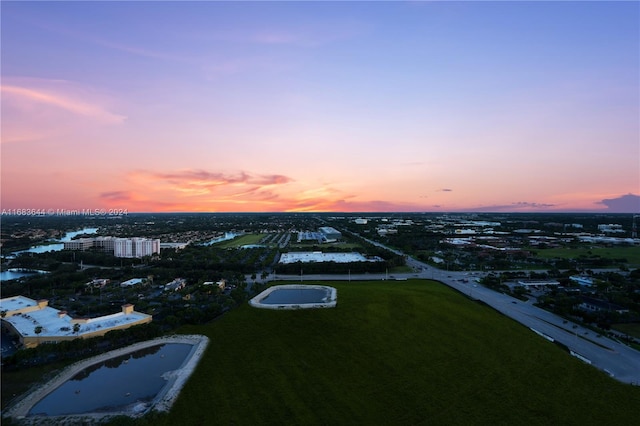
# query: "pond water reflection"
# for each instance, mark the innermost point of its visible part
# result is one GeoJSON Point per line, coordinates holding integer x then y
{"type": "Point", "coordinates": [55, 245]}
{"type": "Point", "coordinates": [118, 384]}
{"type": "Point", "coordinates": [296, 295]}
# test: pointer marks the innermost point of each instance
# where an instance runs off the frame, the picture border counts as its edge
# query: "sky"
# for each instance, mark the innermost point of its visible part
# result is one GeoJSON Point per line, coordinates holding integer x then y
{"type": "Point", "coordinates": [295, 106]}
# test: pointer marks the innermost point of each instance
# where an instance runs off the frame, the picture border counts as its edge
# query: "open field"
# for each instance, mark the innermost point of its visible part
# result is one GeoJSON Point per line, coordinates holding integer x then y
{"type": "Point", "coordinates": [410, 352]}
{"type": "Point", "coordinates": [241, 241]}
{"type": "Point", "coordinates": [631, 254]}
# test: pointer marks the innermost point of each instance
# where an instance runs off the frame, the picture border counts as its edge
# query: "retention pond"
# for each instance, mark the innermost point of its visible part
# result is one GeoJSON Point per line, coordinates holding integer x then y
{"type": "Point", "coordinates": [125, 383]}
{"type": "Point", "coordinates": [128, 381]}
{"type": "Point", "coordinates": [296, 297]}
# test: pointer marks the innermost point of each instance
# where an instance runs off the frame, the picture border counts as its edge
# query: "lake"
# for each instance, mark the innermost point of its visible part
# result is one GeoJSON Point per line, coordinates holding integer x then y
{"type": "Point", "coordinates": [57, 245]}
{"type": "Point", "coordinates": [14, 274]}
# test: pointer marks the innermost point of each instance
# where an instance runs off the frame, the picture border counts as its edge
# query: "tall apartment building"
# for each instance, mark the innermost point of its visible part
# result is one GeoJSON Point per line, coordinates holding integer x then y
{"type": "Point", "coordinates": [104, 243]}
{"type": "Point", "coordinates": [120, 247]}
{"type": "Point", "coordinates": [135, 247]}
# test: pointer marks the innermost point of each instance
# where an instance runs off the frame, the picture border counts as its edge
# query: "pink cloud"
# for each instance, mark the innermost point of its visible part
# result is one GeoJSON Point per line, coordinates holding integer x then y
{"type": "Point", "coordinates": [205, 181]}
{"type": "Point", "coordinates": [116, 196]}
{"type": "Point", "coordinates": [41, 109]}
{"type": "Point", "coordinates": [61, 101]}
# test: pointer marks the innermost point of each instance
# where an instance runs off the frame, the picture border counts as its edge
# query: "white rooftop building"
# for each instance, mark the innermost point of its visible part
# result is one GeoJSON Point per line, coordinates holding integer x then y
{"type": "Point", "coordinates": [132, 282]}
{"type": "Point", "coordinates": [34, 322]}
{"type": "Point", "coordinates": [330, 234]}
{"type": "Point", "coordinates": [317, 256]}
{"type": "Point", "coordinates": [120, 247]}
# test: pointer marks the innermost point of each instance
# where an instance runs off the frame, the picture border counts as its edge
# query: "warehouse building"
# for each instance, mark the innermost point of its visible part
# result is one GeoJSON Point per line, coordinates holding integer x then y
{"type": "Point", "coordinates": [330, 234]}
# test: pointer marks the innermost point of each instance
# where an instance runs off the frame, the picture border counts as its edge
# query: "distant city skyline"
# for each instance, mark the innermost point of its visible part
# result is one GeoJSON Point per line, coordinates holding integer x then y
{"type": "Point", "coordinates": [321, 106]}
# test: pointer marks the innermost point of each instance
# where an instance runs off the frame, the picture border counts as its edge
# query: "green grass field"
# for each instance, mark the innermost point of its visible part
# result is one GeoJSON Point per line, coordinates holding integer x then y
{"type": "Point", "coordinates": [241, 241]}
{"type": "Point", "coordinates": [391, 353]}
{"type": "Point", "coordinates": [631, 254]}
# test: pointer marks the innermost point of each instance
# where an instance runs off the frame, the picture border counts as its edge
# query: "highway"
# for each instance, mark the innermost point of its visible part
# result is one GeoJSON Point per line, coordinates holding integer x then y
{"type": "Point", "coordinates": [616, 359]}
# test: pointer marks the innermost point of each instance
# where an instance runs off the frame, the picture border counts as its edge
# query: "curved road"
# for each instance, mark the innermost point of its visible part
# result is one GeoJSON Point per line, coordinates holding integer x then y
{"type": "Point", "coordinates": [618, 360]}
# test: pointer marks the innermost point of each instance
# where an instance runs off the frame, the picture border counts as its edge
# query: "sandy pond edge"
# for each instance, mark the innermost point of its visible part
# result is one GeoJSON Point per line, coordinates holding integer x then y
{"type": "Point", "coordinates": [162, 402]}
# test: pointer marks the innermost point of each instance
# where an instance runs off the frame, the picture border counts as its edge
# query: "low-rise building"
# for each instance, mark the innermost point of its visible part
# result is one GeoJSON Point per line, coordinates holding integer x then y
{"type": "Point", "coordinates": [35, 322]}
{"type": "Point", "coordinates": [538, 283]}
{"type": "Point", "coordinates": [582, 280]}
{"type": "Point", "coordinates": [132, 282]}
{"type": "Point", "coordinates": [175, 285]}
{"type": "Point", "coordinates": [98, 283]}
{"type": "Point", "coordinates": [330, 234]}
{"type": "Point", "coordinates": [318, 256]}
{"type": "Point", "coordinates": [598, 305]}
{"type": "Point", "coordinates": [220, 284]}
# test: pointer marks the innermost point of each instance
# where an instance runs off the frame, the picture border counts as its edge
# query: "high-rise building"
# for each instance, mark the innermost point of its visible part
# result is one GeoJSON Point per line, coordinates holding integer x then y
{"type": "Point", "coordinates": [135, 247]}
{"type": "Point", "coordinates": [120, 247]}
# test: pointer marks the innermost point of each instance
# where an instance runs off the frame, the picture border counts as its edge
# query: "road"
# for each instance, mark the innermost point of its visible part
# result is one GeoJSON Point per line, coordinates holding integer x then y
{"type": "Point", "coordinates": [617, 359]}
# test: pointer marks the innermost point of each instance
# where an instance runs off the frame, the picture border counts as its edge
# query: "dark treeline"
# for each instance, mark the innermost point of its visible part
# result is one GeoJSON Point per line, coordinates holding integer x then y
{"type": "Point", "coordinates": [80, 348]}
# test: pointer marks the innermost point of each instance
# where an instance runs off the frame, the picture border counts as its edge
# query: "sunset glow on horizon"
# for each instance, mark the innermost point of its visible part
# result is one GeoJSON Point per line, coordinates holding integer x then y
{"type": "Point", "coordinates": [321, 106]}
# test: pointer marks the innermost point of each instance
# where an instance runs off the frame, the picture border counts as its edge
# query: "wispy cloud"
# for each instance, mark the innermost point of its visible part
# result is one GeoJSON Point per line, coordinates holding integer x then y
{"type": "Point", "coordinates": [139, 51]}
{"type": "Point", "coordinates": [208, 190]}
{"type": "Point", "coordinates": [346, 205]}
{"type": "Point", "coordinates": [206, 181]}
{"type": "Point", "coordinates": [103, 42]}
{"type": "Point", "coordinates": [63, 101]}
{"type": "Point", "coordinates": [213, 191]}
{"type": "Point", "coordinates": [311, 34]}
{"type": "Point", "coordinates": [116, 196]}
{"type": "Point", "coordinates": [35, 109]}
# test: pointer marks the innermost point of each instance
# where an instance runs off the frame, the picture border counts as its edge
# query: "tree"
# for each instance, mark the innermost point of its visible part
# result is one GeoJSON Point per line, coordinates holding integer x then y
{"type": "Point", "coordinates": [76, 328]}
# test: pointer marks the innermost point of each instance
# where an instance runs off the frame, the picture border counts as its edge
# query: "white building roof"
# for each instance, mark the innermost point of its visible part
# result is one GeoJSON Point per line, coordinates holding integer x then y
{"type": "Point", "coordinates": [57, 323]}
{"type": "Point", "coordinates": [132, 281]}
{"type": "Point", "coordinates": [316, 256]}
